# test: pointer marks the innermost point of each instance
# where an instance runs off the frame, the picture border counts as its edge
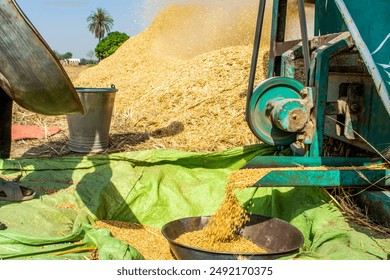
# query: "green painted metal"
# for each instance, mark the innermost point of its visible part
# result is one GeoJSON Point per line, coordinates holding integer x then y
{"type": "Point", "coordinates": [369, 28]}
{"type": "Point", "coordinates": [295, 161]}
{"type": "Point", "coordinates": [325, 10]}
{"type": "Point", "coordinates": [351, 27]}
{"type": "Point", "coordinates": [320, 68]}
{"type": "Point", "coordinates": [370, 37]}
{"type": "Point", "coordinates": [288, 62]}
{"type": "Point", "coordinates": [326, 178]}
{"type": "Point", "coordinates": [368, 121]}
{"type": "Point", "coordinates": [378, 203]}
{"type": "Point", "coordinates": [336, 172]}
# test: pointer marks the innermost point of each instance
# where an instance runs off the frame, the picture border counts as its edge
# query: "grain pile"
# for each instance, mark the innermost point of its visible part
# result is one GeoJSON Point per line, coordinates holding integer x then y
{"type": "Point", "coordinates": [221, 232]}
{"type": "Point", "coordinates": [147, 240]}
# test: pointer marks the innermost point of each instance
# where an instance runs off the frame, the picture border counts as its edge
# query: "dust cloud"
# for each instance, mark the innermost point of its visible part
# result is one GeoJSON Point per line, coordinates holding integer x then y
{"type": "Point", "coordinates": [211, 25]}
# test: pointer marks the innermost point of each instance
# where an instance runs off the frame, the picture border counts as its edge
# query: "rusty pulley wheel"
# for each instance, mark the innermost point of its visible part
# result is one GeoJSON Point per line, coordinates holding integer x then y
{"type": "Point", "coordinates": [269, 95]}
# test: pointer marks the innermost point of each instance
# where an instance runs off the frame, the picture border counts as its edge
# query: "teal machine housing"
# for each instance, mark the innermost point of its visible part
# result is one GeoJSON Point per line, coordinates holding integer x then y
{"type": "Point", "coordinates": [325, 92]}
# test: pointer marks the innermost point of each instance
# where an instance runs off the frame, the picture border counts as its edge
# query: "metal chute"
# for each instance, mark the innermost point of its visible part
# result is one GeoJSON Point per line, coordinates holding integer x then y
{"type": "Point", "coordinates": [29, 71]}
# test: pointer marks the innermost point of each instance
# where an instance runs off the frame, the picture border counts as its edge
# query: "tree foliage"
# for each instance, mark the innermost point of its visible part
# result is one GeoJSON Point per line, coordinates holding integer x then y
{"type": "Point", "coordinates": [108, 45]}
{"type": "Point", "coordinates": [61, 56]}
{"type": "Point", "coordinates": [84, 61]}
{"type": "Point", "coordinates": [100, 23]}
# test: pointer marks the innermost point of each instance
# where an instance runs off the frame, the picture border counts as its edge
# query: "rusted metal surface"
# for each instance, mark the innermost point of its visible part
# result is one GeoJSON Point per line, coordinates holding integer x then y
{"type": "Point", "coordinates": [278, 237]}
{"type": "Point", "coordinates": [378, 203]}
{"type": "Point", "coordinates": [29, 71]}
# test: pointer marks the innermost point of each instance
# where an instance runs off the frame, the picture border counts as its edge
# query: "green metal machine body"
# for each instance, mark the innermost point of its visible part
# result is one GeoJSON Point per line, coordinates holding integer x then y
{"type": "Point", "coordinates": [331, 88]}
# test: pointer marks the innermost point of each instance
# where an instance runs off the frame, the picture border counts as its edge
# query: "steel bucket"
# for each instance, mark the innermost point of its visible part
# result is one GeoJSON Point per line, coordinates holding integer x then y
{"type": "Point", "coordinates": [89, 132]}
{"type": "Point", "coordinates": [278, 237]}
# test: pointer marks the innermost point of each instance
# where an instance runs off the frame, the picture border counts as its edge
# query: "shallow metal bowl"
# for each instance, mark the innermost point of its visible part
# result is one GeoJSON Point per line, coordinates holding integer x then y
{"type": "Point", "coordinates": [278, 237]}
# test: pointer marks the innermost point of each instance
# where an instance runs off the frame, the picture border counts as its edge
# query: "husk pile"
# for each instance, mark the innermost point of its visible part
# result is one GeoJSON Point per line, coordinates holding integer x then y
{"type": "Point", "coordinates": [182, 82]}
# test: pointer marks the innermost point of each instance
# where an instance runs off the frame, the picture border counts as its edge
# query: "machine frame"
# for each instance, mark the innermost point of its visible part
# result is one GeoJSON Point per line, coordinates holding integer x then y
{"type": "Point", "coordinates": [342, 88]}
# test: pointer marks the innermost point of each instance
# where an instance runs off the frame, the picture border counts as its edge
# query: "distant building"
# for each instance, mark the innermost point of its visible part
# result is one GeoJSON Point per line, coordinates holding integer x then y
{"type": "Point", "coordinates": [71, 61]}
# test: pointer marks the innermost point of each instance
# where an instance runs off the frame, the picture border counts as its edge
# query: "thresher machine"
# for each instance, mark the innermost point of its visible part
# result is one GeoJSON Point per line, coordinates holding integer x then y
{"type": "Point", "coordinates": [324, 92]}
{"type": "Point", "coordinates": [331, 88]}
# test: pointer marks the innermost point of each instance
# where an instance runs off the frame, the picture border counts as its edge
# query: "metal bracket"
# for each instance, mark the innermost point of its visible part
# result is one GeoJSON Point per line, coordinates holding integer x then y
{"type": "Point", "coordinates": [320, 171]}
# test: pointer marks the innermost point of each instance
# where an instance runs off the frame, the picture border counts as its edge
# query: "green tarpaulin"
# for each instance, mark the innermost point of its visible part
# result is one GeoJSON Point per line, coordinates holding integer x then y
{"type": "Point", "coordinates": [152, 188]}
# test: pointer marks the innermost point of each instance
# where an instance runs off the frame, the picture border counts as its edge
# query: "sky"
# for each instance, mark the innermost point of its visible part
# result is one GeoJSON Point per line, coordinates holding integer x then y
{"type": "Point", "coordinates": [64, 26]}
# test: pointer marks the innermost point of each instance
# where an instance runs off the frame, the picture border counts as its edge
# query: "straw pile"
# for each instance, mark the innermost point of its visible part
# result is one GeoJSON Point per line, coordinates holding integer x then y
{"type": "Point", "coordinates": [182, 82]}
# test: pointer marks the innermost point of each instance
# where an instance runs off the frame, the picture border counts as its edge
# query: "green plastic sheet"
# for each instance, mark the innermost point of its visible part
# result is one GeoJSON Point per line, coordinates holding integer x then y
{"type": "Point", "coordinates": [152, 188]}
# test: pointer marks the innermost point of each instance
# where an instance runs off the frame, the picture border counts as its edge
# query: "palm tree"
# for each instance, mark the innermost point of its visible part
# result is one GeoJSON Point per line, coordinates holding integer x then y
{"type": "Point", "coordinates": [100, 22]}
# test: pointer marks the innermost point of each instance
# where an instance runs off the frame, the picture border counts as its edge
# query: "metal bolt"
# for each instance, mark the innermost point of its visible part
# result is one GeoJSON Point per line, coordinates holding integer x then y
{"type": "Point", "coordinates": [354, 107]}
{"type": "Point", "coordinates": [294, 116]}
{"type": "Point", "coordinates": [304, 92]}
